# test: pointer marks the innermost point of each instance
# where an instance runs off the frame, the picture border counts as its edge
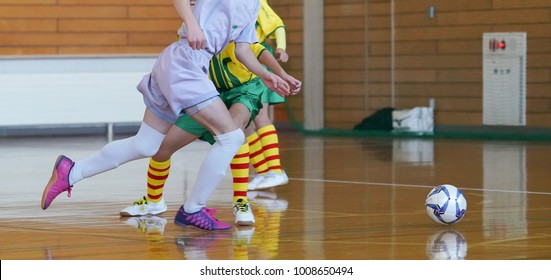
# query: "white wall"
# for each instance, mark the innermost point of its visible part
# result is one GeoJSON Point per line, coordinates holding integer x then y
{"type": "Point", "coordinates": [71, 90]}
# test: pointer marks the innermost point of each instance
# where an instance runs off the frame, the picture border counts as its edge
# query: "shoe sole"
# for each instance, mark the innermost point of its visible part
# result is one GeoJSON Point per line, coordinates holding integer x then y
{"type": "Point", "coordinates": [209, 230]}
{"type": "Point", "coordinates": [52, 181]}
{"type": "Point", "coordinates": [244, 223]}
{"type": "Point", "coordinates": [251, 187]}
{"type": "Point", "coordinates": [270, 186]}
{"type": "Point", "coordinates": [126, 214]}
{"type": "Point", "coordinates": [188, 225]}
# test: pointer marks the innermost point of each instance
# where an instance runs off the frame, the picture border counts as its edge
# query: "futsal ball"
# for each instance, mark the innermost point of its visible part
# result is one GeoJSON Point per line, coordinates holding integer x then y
{"type": "Point", "coordinates": [446, 204]}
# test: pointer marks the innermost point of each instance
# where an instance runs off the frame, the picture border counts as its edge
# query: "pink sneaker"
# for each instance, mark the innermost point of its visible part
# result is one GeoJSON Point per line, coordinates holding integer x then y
{"type": "Point", "coordinates": [59, 182]}
{"type": "Point", "coordinates": [202, 219]}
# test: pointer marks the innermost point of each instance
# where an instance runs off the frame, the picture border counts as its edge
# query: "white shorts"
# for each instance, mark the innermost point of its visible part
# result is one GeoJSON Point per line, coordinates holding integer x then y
{"type": "Point", "coordinates": [179, 80]}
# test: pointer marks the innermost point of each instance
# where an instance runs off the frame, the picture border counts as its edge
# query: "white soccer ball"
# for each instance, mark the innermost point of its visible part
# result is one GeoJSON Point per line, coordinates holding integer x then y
{"type": "Point", "coordinates": [446, 204]}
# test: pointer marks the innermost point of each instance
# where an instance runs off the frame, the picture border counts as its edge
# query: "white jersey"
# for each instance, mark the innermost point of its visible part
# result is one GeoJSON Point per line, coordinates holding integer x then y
{"type": "Point", "coordinates": [179, 78]}
{"type": "Point", "coordinates": [223, 21]}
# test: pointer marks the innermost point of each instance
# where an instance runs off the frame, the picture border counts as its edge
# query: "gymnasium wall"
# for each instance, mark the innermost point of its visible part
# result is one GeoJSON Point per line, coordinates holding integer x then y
{"type": "Point", "coordinates": [66, 27]}
{"type": "Point", "coordinates": [437, 58]}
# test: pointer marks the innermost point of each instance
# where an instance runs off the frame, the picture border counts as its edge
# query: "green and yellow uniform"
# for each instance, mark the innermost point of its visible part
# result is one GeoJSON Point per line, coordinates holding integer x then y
{"type": "Point", "coordinates": [270, 26]}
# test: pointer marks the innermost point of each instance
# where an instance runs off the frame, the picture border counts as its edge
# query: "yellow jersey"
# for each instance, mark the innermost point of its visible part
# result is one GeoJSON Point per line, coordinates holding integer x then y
{"type": "Point", "coordinates": [226, 72]}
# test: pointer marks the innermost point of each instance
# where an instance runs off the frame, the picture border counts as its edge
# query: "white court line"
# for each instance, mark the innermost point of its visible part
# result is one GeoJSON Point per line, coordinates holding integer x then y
{"type": "Point", "coordinates": [411, 186]}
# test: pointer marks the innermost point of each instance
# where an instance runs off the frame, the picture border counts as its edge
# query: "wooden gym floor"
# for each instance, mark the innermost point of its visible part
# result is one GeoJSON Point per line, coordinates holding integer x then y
{"type": "Point", "coordinates": [348, 198]}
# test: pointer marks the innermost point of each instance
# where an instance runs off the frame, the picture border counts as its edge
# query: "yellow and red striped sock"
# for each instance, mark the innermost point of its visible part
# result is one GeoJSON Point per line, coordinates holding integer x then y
{"type": "Point", "coordinates": [270, 147]}
{"type": "Point", "coordinates": [256, 154]}
{"type": "Point", "coordinates": [157, 173]}
{"type": "Point", "coordinates": [240, 171]}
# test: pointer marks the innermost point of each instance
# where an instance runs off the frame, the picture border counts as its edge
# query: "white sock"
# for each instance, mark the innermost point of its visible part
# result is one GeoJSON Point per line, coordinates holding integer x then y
{"type": "Point", "coordinates": [144, 144]}
{"type": "Point", "coordinates": [213, 169]}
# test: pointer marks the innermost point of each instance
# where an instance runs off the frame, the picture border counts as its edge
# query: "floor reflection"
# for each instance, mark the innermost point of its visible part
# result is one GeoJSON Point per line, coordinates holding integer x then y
{"type": "Point", "coordinates": [197, 245]}
{"type": "Point", "coordinates": [446, 245]}
{"type": "Point", "coordinates": [413, 151]}
{"type": "Point", "coordinates": [505, 199]}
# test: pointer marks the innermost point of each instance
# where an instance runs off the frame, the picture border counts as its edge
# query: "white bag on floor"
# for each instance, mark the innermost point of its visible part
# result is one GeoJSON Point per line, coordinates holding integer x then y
{"type": "Point", "coordinates": [418, 119]}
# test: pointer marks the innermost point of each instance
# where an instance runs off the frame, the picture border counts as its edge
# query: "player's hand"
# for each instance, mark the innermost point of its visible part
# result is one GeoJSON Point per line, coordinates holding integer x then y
{"type": "Point", "coordinates": [276, 84]}
{"type": "Point", "coordinates": [294, 84]}
{"type": "Point", "coordinates": [196, 38]}
{"type": "Point", "coordinates": [281, 55]}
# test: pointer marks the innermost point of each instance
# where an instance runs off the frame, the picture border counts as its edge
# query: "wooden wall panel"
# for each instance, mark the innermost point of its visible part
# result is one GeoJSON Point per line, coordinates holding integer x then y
{"type": "Point", "coordinates": [49, 27]}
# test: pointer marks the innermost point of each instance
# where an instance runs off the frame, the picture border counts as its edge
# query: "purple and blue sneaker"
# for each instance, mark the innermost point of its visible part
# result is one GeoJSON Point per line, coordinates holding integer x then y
{"type": "Point", "coordinates": [202, 219]}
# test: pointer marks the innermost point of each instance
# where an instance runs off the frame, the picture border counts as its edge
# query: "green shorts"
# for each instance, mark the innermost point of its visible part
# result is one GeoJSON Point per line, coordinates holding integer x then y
{"type": "Point", "coordinates": [269, 96]}
{"type": "Point", "coordinates": [247, 94]}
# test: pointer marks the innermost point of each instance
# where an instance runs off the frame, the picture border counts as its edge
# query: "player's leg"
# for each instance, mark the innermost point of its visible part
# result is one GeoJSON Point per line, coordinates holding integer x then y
{"type": "Point", "coordinates": [214, 116]}
{"type": "Point", "coordinates": [240, 170]}
{"type": "Point", "coordinates": [144, 144]}
{"type": "Point", "coordinates": [256, 157]}
{"type": "Point", "coordinates": [270, 146]}
{"type": "Point", "coordinates": [268, 139]}
{"type": "Point", "coordinates": [157, 173]}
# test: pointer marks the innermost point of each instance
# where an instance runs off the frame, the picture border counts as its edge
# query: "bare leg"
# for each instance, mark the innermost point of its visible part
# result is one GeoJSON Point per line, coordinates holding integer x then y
{"type": "Point", "coordinates": [240, 115]}
{"type": "Point", "coordinates": [175, 139]}
{"type": "Point", "coordinates": [263, 118]}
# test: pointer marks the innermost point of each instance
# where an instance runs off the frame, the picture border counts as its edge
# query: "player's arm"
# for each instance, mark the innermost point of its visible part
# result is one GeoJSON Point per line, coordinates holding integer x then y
{"type": "Point", "coordinates": [195, 36]}
{"type": "Point", "coordinates": [281, 44]}
{"type": "Point", "coordinates": [269, 60]}
{"type": "Point", "coordinates": [245, 55]}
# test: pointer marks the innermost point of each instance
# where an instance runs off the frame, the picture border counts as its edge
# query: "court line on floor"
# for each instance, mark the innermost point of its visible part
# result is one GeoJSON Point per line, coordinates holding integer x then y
{"type": "Point", "coordinates": [411, 186]}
